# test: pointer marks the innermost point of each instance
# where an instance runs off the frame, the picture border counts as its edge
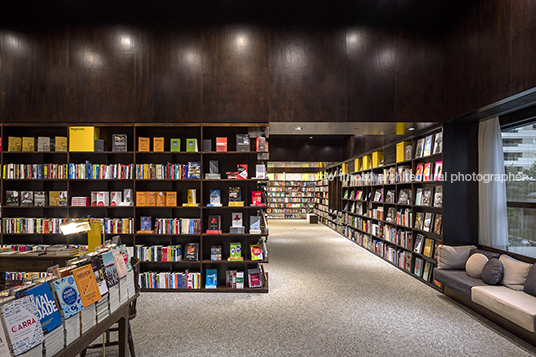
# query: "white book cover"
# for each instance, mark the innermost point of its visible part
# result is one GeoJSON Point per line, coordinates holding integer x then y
{"type": "Point", "coordinates": [22, 321]}
{"type": "Point", "coordinates": [4, 347]}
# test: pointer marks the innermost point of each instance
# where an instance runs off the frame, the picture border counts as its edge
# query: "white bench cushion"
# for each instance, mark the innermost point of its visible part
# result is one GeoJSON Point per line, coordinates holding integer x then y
{"type": "Point", "coordinates": [516, 306]}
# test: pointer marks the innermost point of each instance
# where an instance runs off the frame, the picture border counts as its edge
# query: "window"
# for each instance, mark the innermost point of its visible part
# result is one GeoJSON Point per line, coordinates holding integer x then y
{"type": "Point", "coordinates": [519, 147]}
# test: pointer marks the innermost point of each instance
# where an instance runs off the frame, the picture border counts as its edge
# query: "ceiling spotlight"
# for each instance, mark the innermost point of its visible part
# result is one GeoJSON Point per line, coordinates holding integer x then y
{"type": "Point", "coordinates": [310, 137]}
{"type": "Point", "coordinates": [298, 128]}
{"type": "Point", "coordinates": [412, 128]}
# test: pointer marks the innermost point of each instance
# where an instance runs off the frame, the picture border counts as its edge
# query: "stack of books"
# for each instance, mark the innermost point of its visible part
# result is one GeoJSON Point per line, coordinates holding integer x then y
{"type": "Point", "coordinates": [54, 341]}
{"type": "Point", "coordinates": [130, 283]}
{"type": "Point", "coordinates": [102, 309]}
{"type": "Point", "coordinates": [88, 318]}
{"type": "Point", "coordinates": [72, 329]}
{"type": "Point", "coordinates": [123, 291]}
{"type": "Point", "coordinates": [113, 293]}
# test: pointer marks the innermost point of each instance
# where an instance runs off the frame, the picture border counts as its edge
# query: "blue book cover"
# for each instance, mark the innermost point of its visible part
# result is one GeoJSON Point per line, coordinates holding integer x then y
{"type": "Point", "coordinates": [68, 296]}
{"type": "Point", "coordinates": [212, 279]}
{"type": "Point", "coordinates": [21, 319]}
{"type": "Point", "coordinates": [46, 307]}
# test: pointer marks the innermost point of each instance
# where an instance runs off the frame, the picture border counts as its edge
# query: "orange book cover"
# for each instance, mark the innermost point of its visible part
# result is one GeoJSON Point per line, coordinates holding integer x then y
{"type": "Point", "coordinates": [141, 198]}
{"type": "Point", "coordinates": [158, 144]}
{"type": "Point", "coordinates": [151, 198]}
{"type": "Point", "coordinates": [221, 144]}
{"type": "Point", "coordinates": [160, 199]}
{"type": "Point", "coordinates": [143, 144]}
{"type": "Point", "coordinates": [87, 285]}
{"type": "Point", "coordinates": [171, 199]}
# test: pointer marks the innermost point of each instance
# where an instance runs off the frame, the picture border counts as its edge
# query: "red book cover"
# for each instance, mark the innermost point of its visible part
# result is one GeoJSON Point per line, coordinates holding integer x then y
{"type": "Point", "coordinates": [221, 144]}
{"type": "Point", "coordinates": [427, 171]}
{"type": "Point", "coordinates": [256, 198]}
{"type": "Point", "coordinates": [242, 171]}
{"type": "Point", "coordinates": [418, 172]}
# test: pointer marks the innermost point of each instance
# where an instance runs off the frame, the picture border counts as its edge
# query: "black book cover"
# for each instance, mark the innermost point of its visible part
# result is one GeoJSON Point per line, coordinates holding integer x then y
{"type": "Point", "coordinates": [214, 223]}
{"type": "Point", "coordinates": [12, 198]}
{"type": "Point", "coordinates": [192, 251]}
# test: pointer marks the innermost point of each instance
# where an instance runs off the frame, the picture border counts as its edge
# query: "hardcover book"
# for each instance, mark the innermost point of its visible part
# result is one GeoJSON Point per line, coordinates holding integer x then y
{"type": "Point", "coordinates": [28, 144]}
{"type": "Point", "coordinates": [437, 223]}
{"type": "Point", "coordinates": [49, 316]}
{"type": "Point", "coordinates": [27, 198]}
{"type": "Point", "coordinates": [14, 143]}
{"type": "Point", "coordinates": [260, 171]}
{"type": "Point", "coordinates": [191, 145]}
{"type": "Point", "coordinates": [428, 145]}
{"type": "Point", "coordinates": [256, 252]}
{"type": "Point", "coordinates": [428, 221]}
{"type": "Point", "coordinates": [438, 196]}
{"type": "Point", "coordinates": [427, 270]}
{"type": "Point", "coordinates": [54, 198]}
{"type": "Point", "coordinates": [175, 145]}
{"type": "Point", "coordinates": [419, 148]}
{"type": "Point", "coordinates": [215, 198]}
{"type": "Point", "coordinates": [418, 266]}
{"type": "Point", "coordinates": [256, 198]}
{"type": "Point", "coordinates": [221, 144]}
{"type": "Point", "coordinates": [21, 319]}
{"type": "Point", "coordinates": [255, 224]}
{"type": "Point", "coordinates": [427, 196]}
{"type": "Point", "coordinates": [427, 173]}
{"type": "Point", "coordinates": [67, 296]}
{"type": "Point", "coordinates": [211, 279]}
{"type": "Point", "coordinates": [194, 170]}
{"type": "Point", "coordinates": [87, 285]}
{"type": "Point", "coordinates": [242, 142]}
{"type": "Point", "coordinates": [119, 142]}
{"type": "Point", "coordinates": [207, 145]}
{"type": "Point", "coordinates": [215, 252]}
{"type": "Point", "coordinates": [63, 198]}
{"type": "Point", "coordinates": [12, 198]}
{"type": "Point", "coordinates": [235, 194]}
{"type": "Point", "coordinates": [192, 252]}
{"type": "Point", "coordinates": [438, 143]}
{"type": "Point", "coordinates": [43, 143]}
{"type": "Point", "coordinates": [144, 144]}
{"type": "Point", "coordinates": [237, 219]}
{"type": "Point", "coordinates": [242, 170]}
{"type": "Point", "coordinates": [418, 197]}
{"type": "Point", "coordinates": [235, 251]}
{"type": "Point", "coordinates": [428, 247]}
{"type": "Point", "coordinates": [261, 144]}
{"type": "Point", "coordinates": [419, 218]}
{"type": "Point", "coordinates": [418, 243]}
{"type": "Point", "coordinates": [158, 144]}
{"type": "Point", "coordinates": [171, 199]}
{"type": "Point", "coordinates": [146, 224]}
{"type": "Point", "coordinates": [60, 143]}
{"type": "Point", "coordinates": [438, 174]}
{"type": "Point", "coordinates": [213, 167]}
{"type": "Point", "coordinates": [214, 224]}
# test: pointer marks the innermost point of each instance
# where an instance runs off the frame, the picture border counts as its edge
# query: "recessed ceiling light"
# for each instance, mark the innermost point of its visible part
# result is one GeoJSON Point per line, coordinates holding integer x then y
{"type": "Point", "coordinates": [298, 128]}
{"type": "Point", "coordinates": [310, 137]}
{"type": "Point", "coordinates": [412, 128]}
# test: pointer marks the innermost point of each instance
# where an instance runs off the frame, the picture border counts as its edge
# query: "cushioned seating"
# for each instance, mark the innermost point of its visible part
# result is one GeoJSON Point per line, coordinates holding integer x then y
{"type": "Point", "coordinates": [515, 306]}
{"type": "Point", "coordinates": [457, 280]}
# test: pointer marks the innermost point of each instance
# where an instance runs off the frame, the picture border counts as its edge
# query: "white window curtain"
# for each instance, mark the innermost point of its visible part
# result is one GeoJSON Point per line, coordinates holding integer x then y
{"type": "Point", "coordinates": [492, 195]}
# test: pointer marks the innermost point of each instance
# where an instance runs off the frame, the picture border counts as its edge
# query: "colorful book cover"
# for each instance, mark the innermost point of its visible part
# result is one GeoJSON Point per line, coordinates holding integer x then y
{"type": "Point", "coordinates": [49, 316]}
{"type": "Point", "coordinates": [256, 252]}
{"type": "Point", "coordinates": [120, 263]}
{"type": "Point", "coordinates": [426, 176]}
{"type": "Point", "coordinates": [23, 325]}
{"type": "Point", "coordinates": [438, 174]}
{"type": "Point", "coordinates": [438, 143]}
{"type": "Point", "coordinates": [235, 251]}
{"type": "Point", "coordinates": [428, 246]}
{"type": "Point", "coordinates": [126, 257]}
{"type": "Point", "coordinates": [192, 252]}
{"type": "Point", "coordinates": [254, 278]}
{"type": "Point", "coordinates": [242, 170]}
{"type": "Point", "coordinates": [428, 145]}
{"type": "Point", "coordinates": [221, 144]}
{"type": "Point", "coordinates": [67, 296]}
{"type": "Point", "coordinates": [254, 224]}
{"type": "Point", "coordinates": [256, 198]}
{"type": "Point", "coordinates": [215, 198]}
{"type": "Point", "coordinates": [87, 285]}
{"type": "Point", "coordinates": [419, 172]}
{"type": "Point", "coordinates": [110, 270]}
{"type": "Point", "coordinates": [212, 279]}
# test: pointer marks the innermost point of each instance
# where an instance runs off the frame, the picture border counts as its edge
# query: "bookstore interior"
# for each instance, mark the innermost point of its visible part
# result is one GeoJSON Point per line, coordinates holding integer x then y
{"type": "Point", "coordinates": [151, 159]}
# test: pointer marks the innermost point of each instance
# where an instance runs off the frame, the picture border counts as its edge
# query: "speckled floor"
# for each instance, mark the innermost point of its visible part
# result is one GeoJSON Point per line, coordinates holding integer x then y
{"type": "Point", "coordinates": [328, 297]}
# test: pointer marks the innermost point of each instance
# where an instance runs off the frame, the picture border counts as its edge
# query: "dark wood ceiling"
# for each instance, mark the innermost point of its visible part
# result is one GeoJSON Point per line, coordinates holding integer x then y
{"type": "Point", "coordinates": [428, 17]}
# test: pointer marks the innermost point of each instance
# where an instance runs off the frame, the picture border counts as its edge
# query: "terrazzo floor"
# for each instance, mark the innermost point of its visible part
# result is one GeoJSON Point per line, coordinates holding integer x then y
{"type": "Point", "coordinates": [328, 297]}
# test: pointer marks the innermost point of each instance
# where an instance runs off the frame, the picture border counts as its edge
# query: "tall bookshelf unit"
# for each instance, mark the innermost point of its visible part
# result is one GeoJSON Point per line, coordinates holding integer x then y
{"type": "Point", "coordinates": [290, 199]}
{"type": "Point", "coordinates": [227, 160]}
{"type": "Point", "coordinates": [384, 208]}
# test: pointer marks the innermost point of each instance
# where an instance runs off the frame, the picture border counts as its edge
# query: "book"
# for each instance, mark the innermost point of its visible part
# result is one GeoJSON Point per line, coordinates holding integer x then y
{"type": "Point", "coordinates": [207, 145]}
{"type": "Point", "coordinates": [438, 143]}
{"type": "Point", "coordinates": [428, 247]}
{"type": "Point", "coordinates": [260, 171]}
{"type": "Point", "coordinates": [110, 270]}
{"type": "Point", "coordinates": [254, 224]}
{"type": "Point", "coordinates": [418, 196]}
{"type": "Point", "coordinates": [192, 197]}
{"type": "Point", "coordinates": [21, 319]}
{"type": "Point", "coordinates": [43, 143]}
{"type": "Point", "coordinates": [427, 270]}
{"type": "Point", "coordinates": [12, 198]}
{"type": "Point", "coordinates": [27, 198]}
{"type": "Point", "coordinates": [67, 296]}
{"type": "Point", "coordinates": [191, 252]}
{"type": "Point", "coordinates": [221, 144]}
{"type": "Point", "coordinates": [419, 220]}
{"type": "Point", "coordinates": [49, 316]}
{"type": "Point", "coordinates": [235, 251]}
{"type": "Point", "coordinates": [408, 149]}
{"type": "Point", "coordinates": [255, 278]}
{"type": "Point", "coordinates": [40, 198]}
{"type": "Point", "coordinates": [242, 142]}
{"type": "Point", "coordinates": [427, 172]}
{"type": "Point", "coordinates": [214, 198]}
{"type": "Point", "coordinates": [158, 144]}
{"type": "Point", "coordinates": [256, 252]}
{"type": "Point", "coordinates": [63, 198]}
{"type": "Point", "coordinates": [4, 343]}
{"type": "Point", "coordinates": [144, 144]}
{"type": "Point", "coordinates": [213, 167]}
{"type": "Point", "coordinates": [419, 262]}
{"type": "Point", "coordinates": [194, 170]}
{"type": "Point", "coordinates": [151, 199]}
{"type": "Point", "coordinates": [418, 243]}
{"type": "Point", "coordinates": [427, 196]}
{"type": "Point", "coordinates": [237, 220]}
{"type": "Point", "coordinates": [261, 144]}
{"type": "Point", "coordinates": [437, 224]}
{"type": "Point", "coordinates": [238, 280]}
{"type": "Point", "coordinates": [175, 145]}
{"type": "Point", "coordinates": [14, 143]}
{"type": "Point", "coordinates": [235, 194]}
{"type": "Point", "coordinates": [141, 198]}
{"type": "Point", "coordinates": [28, 143]}
{"type": "Point", "coordinates": [211, 279]}
{"type": "Point", "coordinates": [215, 252]}
{"type": "Point", "coordinates": [214, 224]}
{"type": "Point", "coordinates": [87, 285]}
{"type": "Point", "coordinates": [146, 224]}
{"type": "Point", "coordinates": [428, 145]}
{"type": "Point", "coordinates": [60, 143]}
{"type": "Point", "coordinates": [428, 221]}
{"type": "Point", "coordinates": [256, 198]}
{"type": "Point", "coordinates": [119, 142]}
{"type": "Point", "coordinates": [419, 148]}
{"type": "Point", "coordinates": [171, 199]}
{"type": "Point", "coordinates": [242, 170]}
{"type": "Point", "coordinates": [404, 197]}
{"type": "Point", "coordinates": [438, 173]}
{"type": "Point", "coordinates": [120, 263]}
{"type": "Point", "coordinates": [390, 198]}
{"type": "Point", "coordinates": [191, 145]}
{"type": "Point", "coordinates": [438, 196]}
{"type": "Point", "coordinates": [419, 172]}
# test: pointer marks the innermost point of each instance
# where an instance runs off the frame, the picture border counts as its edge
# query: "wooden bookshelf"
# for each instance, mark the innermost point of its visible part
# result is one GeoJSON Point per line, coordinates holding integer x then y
{"type": "Point", "coordinates": [290, 199]}
{"type": "Point", "coordinates": [82, 187]}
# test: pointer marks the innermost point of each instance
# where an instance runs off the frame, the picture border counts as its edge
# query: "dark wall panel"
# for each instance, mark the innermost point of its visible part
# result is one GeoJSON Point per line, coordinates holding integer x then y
{"type": "Point", "coordinates": [301, 148]}
{"type": "Point", "coordinates": [235, 74]}
{"type": "Point", "coordinates": [307, 75]}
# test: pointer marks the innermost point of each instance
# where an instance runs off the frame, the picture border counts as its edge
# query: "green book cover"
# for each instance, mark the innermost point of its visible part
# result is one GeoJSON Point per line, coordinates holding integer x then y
{"type": "Point", "coordinates": [175, 145]}
{"type": "Point", "coordinates": [235, 251]}
{"type": "Point", "coordinates": [191, 145]}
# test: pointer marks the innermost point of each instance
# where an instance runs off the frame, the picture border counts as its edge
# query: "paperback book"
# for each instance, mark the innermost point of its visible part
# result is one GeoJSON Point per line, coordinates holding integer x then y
{"type": "Point", "coordinates": [192, 252]}
{"type": "Point", "coordinates": [235, 251]}
{"type": "Point", "coordinates": [49, 316]}
{"type": "Point", "coordinates": [22, 322]}
{"type": "Point", "coordinates": [211, 279]}
{"type": "Point", "coordinates": [87, 285]}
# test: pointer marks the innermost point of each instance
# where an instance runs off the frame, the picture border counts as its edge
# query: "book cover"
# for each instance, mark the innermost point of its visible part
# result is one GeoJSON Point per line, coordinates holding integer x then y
{"type": "Point", "coordinates": [418, 197]}
{"type": "Point", "coordinates": [242, 170]}
{"type": "Point", "coordinates": [260, 171]}
{"type": "Point", "coordinates": [235, 251]}
{"type": "Point", "coordinates": [428, 247]}
{"type": "Point", "coordinates": [67, 296]}
{"type": "Point", "coordinates": [438, 174]}
{"type": "Point", "coordinates": [151, 198]}
{"type": "Point", "coordinates": [427, 196]}
{"type": "Point", "coordinates": [49, 316]}
{"type": "Point", "coordinates": [214, 223]}
{"type": "Point", "coordinates": [254, 224]}
{"type": "Point", "coordinates": [12, 198]}
{"type": "Point", "coordinates": [158, 144]}
{"type": "Point", "coordinates": [144, 144]}
{"type": "Point", "coordinates": [27, 198]}
{"type": "Point", "coordinates": [87, 285]}
{"type": "Point", "coordinates": [427, 270]}
{"type": "Point", "coordinates": [256, 251]}
{"type": "Point", "coordinates": [404, 197]}
{"type": "Point", "coordinates": [54, 198]}
{"type": "Point", "coordinates": [213, 167]}
{"type": "Point", "coordinates": [238, 280]}
{"type": "Point", "coordinates": [418, 243]}
{"type": "Point", "coordinates": [28, 144]}
{"type": "Point", "coordinates": [214, 198]}
{"type": "Point", "coordinates": [4, 344]}
{"type": "Point", "coordinates": [428, 221]}
{"type": "Point", "coordinates": [237, 219]}
{"type": "Point", "coordinates": [437, 223]}
{"type": "Point", "coordinates": [120, 263]}
{"type": "Point", "coordinates": [215, 252]}
{"type": "Point", "coordinates": [419, 172]}
{"type": "Point", "coordinates": [438, 143]}
{"type": "Point", "coordinates": [115, 198]}
{"type": "Point", "coordinates": [191, 252]}
{"type": "Point", "coordinates": [235, 194]}
{"type": "Point", "coordinates": [261, 144]}
{"type": "Point", "coordinates": [419, 218]}
{"type": "Point", "coordinates": [194, 170]}
{"type": "Point", "coordinates": [119, 142]}
{"type": "Point", "coordinates": [256, 198]}
{"type": "Point", "coordinates": [427, 173]}
{"type": "Point", "coordinates": [255, 278]}
{"type": "Point", "coordinates": [192, 197]}
{"type": "Point", "coordinates": [428, 145]}
{"type": "Point", "coordinates": [418, 266]}
{"type": "Point", "coordinates": [141, 198]}
{"type": "Point", "coordinates": [21, 318]}
{"type": "Point", "coordinates": [242, 142]}
{"type": "Point", "coordinates": [390, 198]}
{"type": "Point", "coordinates": [419, 148]}
{"type": "Point", "coordinates": [191, 145]}
{"type": "Point", "coordinates": [110, 270]}
{"type": "Point", "coordinates": [63, 198]}
{"type": "Point", "coordinates": [160, 199]}
{"type": "Point", "coordinates": [43, 143]}
{"type": "Point", "coordinates": [146, 223]}
{"type": "Point", "coordinates": [221, 144]}
{"type": "Point", "coordinates": [207, 145]}
{"type": "Point", "coordinates": [175, 145]}
{"type": "Point", "coordinates": [60, 143]}
{"type": "Point", "coordinates": [211, 279]}
{"type": "Point", "coordinates": [171, 198]}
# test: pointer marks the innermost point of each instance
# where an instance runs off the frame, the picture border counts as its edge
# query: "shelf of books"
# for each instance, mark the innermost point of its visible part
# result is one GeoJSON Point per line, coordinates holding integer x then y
{"type": "Point", "coordinates": [327, 215]}
{"type": "Point", "coordinates": [162, 187]}
{"type": "Point", "coordinates": [392, 203]}
{"type": "Point", "coordinates": [291, 198]}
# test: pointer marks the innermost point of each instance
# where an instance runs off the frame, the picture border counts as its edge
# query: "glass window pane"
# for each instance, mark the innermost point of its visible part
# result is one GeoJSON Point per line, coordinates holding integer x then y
{"type": "Point", "coordinates": [522, 231]}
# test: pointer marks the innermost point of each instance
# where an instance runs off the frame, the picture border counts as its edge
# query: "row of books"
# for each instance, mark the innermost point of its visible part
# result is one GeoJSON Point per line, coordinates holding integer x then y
{"type": "Point", "coordinates": [425, 221]}
{"type": "Point", "coordinates": [32, 225]}
{"type": "Point", "coordinates": [90, 171]}
{"type": "Point", "coordinates": [169, 171]}
{"type": "Point", "coordinates": [42, 143]}
{"type": "Point", "coordinates": [34, 171]}
{"type": "Point", "coordinates": [159, 253]}
{"type": "Point", "coordinates": [175, 225]}
{"type": "Point", "coordinates": [105, 199]}
{"type": "Point", "coordinates": [36, 198]}
{"type": "Point", "coordinates": [54, 311]}
{"type": "Point", "coordinates": [157, 198]}
{"type": "Point", "coordinates": [24, 275]}
{"type": "Point", "coordinates": [429, 145]}
{"type": "Point", "coordinates": [144, 144]}
{"type": "Point", "coordinates": [170, 280]}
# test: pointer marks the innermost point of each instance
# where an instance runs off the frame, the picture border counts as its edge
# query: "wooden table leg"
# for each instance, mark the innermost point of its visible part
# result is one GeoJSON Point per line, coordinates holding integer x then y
{"type": "Point", "coordinates": [123, 335]}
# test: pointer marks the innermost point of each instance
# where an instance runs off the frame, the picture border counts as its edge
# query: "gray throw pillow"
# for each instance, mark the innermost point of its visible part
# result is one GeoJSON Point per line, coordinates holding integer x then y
{"type": "Point", "coordinates": [493, 271]}
{"type": "Point", "coordinates": [515, 272]}
{"type": "Point", "coordinates": [450, 257]}
{"type": "Point", "coordinates": [530, 283]}
{"type": "Point", "coordinates": [487, 253]}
